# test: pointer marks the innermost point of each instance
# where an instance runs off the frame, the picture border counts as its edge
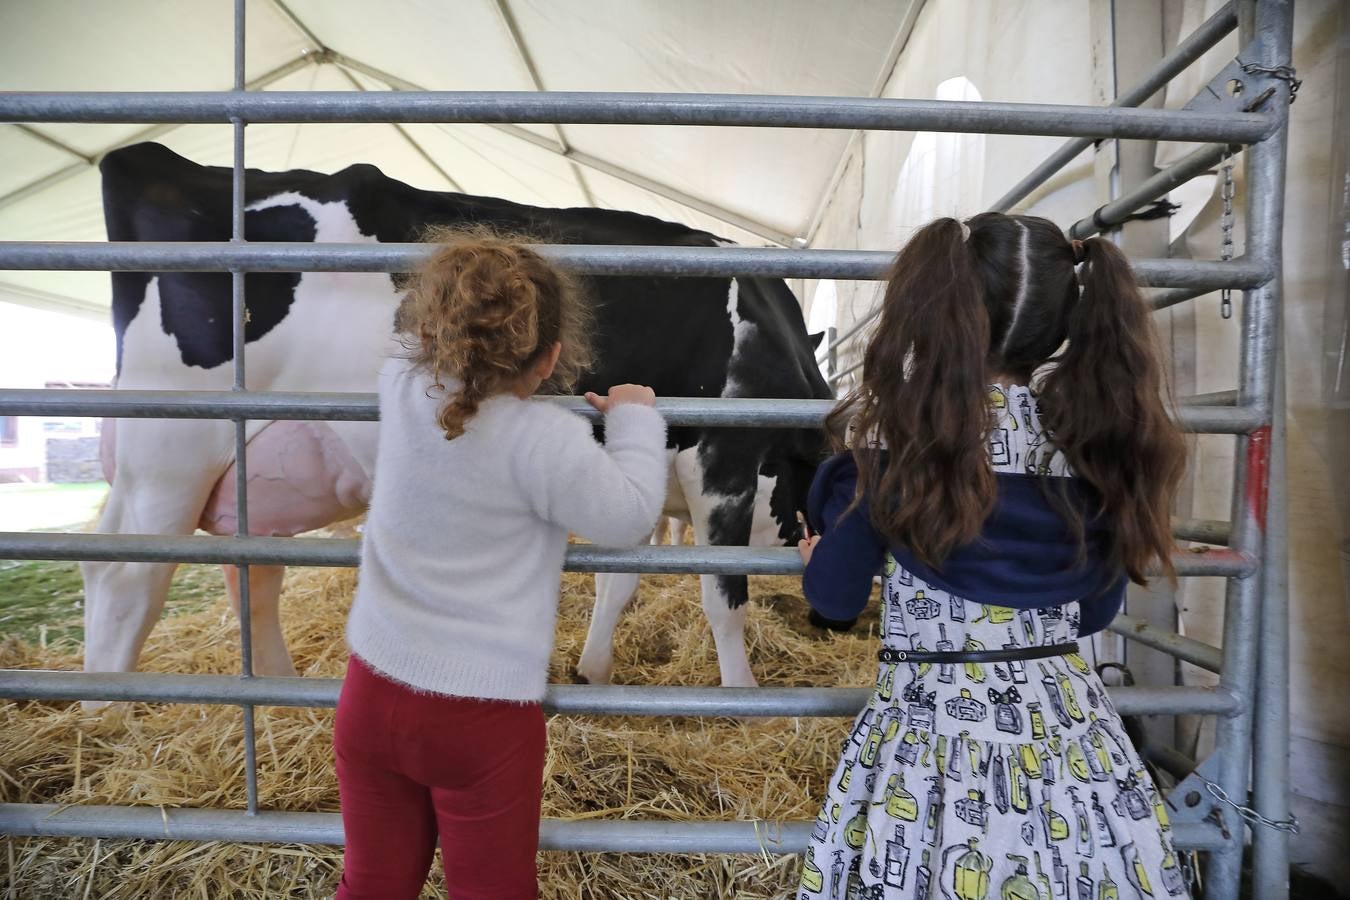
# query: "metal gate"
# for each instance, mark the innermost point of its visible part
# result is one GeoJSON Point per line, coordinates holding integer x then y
{"type": "Point", "coordinates": [1209, 806]}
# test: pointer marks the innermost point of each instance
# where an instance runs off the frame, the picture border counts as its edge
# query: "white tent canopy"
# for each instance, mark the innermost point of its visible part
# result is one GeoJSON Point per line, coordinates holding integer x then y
{"type": "Point", "coordinates": [756, 186]}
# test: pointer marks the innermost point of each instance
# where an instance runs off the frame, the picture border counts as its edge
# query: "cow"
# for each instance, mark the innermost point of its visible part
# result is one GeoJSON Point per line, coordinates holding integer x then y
{"type": "Point", "coordinates": [328, 331]}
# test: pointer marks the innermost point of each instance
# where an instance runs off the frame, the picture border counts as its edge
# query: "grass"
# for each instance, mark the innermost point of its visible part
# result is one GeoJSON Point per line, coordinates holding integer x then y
{"type": "Point", "coordinates": [43, 602]}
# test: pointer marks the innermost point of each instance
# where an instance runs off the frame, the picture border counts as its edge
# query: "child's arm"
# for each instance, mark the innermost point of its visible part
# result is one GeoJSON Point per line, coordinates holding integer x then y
{"type": "Point", "coordinates": [610, 493]}
{"type": "Point", "coordinates": [849, 551]}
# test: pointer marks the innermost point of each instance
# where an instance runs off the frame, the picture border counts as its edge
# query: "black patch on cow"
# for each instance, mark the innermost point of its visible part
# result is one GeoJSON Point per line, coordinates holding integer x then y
{"type": "Point", "coordinates": [671, 333]}
{"type": "Point", "coordinates": [191, 300]}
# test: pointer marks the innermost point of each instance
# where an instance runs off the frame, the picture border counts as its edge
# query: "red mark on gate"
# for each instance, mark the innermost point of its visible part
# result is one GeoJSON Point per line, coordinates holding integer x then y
{"type": "Point", "coordinates": [1258, 474]}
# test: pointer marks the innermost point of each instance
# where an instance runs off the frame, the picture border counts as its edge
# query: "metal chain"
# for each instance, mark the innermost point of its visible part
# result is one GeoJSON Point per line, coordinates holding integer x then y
{"type": "Point", "coordinates": [1283, 73]}
{"type": "Point", "coordinates": [1226, 191]}
{"type": "Point", "coordinates": [1190, 869]}
{"type": "Point", "coordinates": [1249, 815]}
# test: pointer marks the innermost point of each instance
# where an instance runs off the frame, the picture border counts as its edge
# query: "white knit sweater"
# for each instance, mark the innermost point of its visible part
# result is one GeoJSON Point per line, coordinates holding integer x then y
{"type": "Point", "coordinates": [464, 542]}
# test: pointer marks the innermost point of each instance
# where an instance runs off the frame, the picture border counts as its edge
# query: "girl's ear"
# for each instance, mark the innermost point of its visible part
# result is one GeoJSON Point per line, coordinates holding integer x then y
{"type": "Point", "coordinates": [543, 369]}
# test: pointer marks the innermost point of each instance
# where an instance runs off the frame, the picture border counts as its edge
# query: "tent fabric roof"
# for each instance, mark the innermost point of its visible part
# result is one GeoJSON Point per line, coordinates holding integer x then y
{"type": "Point", "coordinates": [756, 186]}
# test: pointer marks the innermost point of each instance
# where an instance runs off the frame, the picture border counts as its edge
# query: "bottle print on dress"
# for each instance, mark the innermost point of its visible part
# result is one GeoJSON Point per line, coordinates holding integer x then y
{"type": "Point", "coordinates": [1135, 872]}
{"type": "Point", "coordinates": [1107, 889]}
{"type": "Point", "coordinates": [922, 607]}
{"type": "Point", "coordinates": [1042, 879]}
{"type": "Point", "coordinates": [899, 802]}
{"type": "Point", "coordinates": [1007, 709]}
{"type": "Point", "coordinates": [1082, 825]}
{"type": "Point", "coordinates": [813, 880]}
{"type": "Point", "coordinates": [922, 706]}
{"type": "Point", "coordinates": [974, 670]}
{"type": "Point", "coordinates": [956, 762]}
{"type": "Point", "coordinates": [897, 860]}
{"type": "Point", "coordinates": [946, 671]}
{"type": "Point", "coordinates": [970, 870]}
{"type": "Point", "coordinates": [1130, 800]}
{"type": "Point", "coordinates": [1018, 885]}
{"type": "Point", "coordinates": [1105, 834]}
{"type": "Point", "coordinates": [1017, 668]}
{"type": "Point", "coordinates": [966, 708]}
{"type": "Point", "coordinates": [923, 877]}
{"type": "Point", "coordinates": [934, 804]}
{"type": "Point", "coordinates": [1019, 789]}
{"type": "Point", "coordinates": [973, 810]}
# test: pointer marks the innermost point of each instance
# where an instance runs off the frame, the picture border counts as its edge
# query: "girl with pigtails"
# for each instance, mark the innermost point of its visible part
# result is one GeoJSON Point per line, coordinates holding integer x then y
{"type": "Point", "coordinates": [439, 732]}
{"type": "Point", "coordinates": [1010, 466]}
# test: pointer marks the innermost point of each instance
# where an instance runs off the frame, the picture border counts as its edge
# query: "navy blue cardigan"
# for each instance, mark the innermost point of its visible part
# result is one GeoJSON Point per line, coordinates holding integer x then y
{"type": "Point", "coordinates": [1025, 557]}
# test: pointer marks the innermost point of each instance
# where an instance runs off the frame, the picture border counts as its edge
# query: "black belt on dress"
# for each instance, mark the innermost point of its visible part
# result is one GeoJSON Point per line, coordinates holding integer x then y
{"type": "Point", "coordinates": [1007, 654]}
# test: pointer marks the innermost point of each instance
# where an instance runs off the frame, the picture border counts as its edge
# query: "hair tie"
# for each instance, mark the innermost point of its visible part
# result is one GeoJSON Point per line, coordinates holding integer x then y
{"type": "Point", "coordinates": [965, 230]}
{"type": "Point", "coordinates": [1079, 251]}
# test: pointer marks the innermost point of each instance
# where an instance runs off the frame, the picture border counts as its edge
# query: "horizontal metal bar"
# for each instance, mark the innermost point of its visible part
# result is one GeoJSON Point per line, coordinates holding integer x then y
{"type": "Point", "coordinates": [563, 699]}
{"type": "Point", "coordinates": [589, 259]}
{"type": "Point", "coordinates": [1222, 419]}
{"type": "Point", "coordinates": [272, 405]}
{"type": "Point", "coordinates": [582, 836]}
{"type": "Point", "coordinates": [1145, 701]}
{"type": "Point", "coordinates": [1214, 398]}
{"type": "Point", "coordinates": [335, 552]}
{"type": "Point", "coordinates": [679, 411]}
{"type": "Point", "coordinates": [1169, 758]}
{"type": "Point", "coordinates": [632, 108]}
{"type": "Point", "coordinates": [1194, 46]}
{"type": "Point", "coordinates": [1173, 296]}
{"type": "Point", "coordinates": [1213, 561]}
{"type": "Point", "coordinates": [1197, 162]}
{"type": "Point", "coordinates": [1198, 653]}
{"type": "Point", "coordinates": [1203, 531]}
{"type": "Point", "coordinates": [344, 552]}
{"type": "Point", "coordinates": [186, 256]}
{"type": "Point", "coordinates": [844, 373]}
{"type": "Point", "coordinates": [848, 335]}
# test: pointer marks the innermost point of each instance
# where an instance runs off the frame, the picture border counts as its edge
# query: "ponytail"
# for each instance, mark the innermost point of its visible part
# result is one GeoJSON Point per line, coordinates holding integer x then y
{"type": "Point", "coordinates": [1102, 403]}
{"type": "Point", "coordinates": [923, 396]}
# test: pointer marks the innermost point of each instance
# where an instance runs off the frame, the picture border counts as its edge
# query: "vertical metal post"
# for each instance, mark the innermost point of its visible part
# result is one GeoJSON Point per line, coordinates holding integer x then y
{"type": "Point", "coordinates": [240, 309]}
{"type": "Point", "coordinates": [1136, 50]}
{"type": "Point", "coordinates": [1270, 748]}
{"type": "Point", "coordinates": [1271, 28]}
{"type": "Point", "coordinates": [832, 357]}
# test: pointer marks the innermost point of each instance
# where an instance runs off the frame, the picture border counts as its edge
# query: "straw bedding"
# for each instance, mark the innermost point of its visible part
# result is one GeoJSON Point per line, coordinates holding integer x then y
{"type": "Point", "coordinates": [678, 769]}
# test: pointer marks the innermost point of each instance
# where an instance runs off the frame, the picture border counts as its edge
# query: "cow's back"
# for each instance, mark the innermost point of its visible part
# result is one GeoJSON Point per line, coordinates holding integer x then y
{"type": "Point", "coordinates": [691, 337]}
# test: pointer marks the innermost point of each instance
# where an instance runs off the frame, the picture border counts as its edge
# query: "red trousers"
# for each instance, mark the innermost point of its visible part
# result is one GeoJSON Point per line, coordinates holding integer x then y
{"type": "Point", "coordinates": [413, 766]}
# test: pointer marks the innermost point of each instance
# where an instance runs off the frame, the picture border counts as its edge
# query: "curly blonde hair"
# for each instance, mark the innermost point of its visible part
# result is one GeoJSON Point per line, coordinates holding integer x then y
{"type": "Point", "coordinates": [483, 309]}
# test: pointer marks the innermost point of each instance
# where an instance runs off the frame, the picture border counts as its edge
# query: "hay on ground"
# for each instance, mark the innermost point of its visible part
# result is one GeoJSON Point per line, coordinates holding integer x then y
{"type": "Point", "coordinates": [677, 769]}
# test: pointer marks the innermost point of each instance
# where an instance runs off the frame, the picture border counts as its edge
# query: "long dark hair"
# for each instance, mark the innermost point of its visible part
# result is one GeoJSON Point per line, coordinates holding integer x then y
{"type": "Point", "coordinates": [1000, 294]}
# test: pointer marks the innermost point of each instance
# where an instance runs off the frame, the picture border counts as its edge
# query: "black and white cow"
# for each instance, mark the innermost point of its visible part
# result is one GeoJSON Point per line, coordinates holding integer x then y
{"type": "Point", "coordinates": [692, 337]}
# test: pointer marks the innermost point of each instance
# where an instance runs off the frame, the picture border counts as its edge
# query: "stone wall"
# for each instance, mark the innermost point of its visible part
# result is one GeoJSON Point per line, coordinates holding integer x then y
{"type": "Point", "coordinates": [73, 460]}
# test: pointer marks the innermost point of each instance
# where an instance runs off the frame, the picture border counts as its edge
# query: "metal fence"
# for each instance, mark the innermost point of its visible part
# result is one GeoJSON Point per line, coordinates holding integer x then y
{"type": "Point", "coordinates": [1254, 600]}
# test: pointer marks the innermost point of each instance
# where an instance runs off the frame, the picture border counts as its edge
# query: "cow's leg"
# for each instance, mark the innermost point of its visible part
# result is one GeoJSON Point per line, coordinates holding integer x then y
{"type": "Point", "coordinates": [613, 591]}
{"type": "Point", "coordinates": [122, 603]}
{"type": "Point", "coordinates": [152, 493]}
{"type": "Point", "coordinates": [270, 655]}
{"type": "Point", "coordinates": [677, 528]}
{"type": "Point", "coordinates": [722, 512]}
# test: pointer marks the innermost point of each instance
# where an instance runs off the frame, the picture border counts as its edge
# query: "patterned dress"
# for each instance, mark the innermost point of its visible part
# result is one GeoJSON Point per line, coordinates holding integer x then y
{"type": "Point", "coordinates": [1009, 781]}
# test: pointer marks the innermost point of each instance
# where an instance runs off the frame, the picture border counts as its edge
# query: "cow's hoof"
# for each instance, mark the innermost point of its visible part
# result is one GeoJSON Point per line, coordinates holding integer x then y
{"type": "Point", "coordinates": [592, 675]}
{"type": "Point", "coordinates": [740, 681]}
{"type": "Point", "coordinates": [107, 710]}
